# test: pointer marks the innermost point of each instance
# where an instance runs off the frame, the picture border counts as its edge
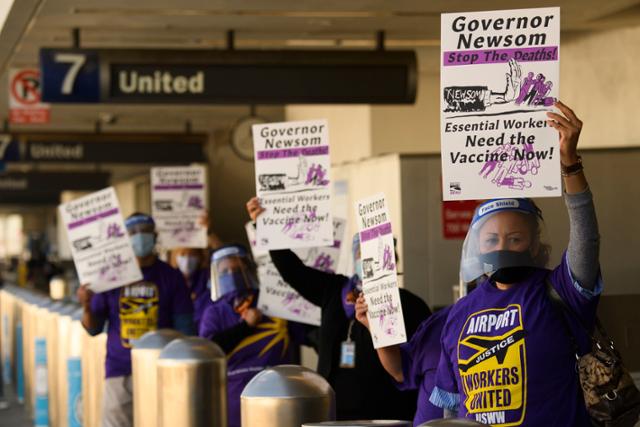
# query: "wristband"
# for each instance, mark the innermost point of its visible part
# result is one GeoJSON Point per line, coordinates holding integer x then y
{"type": "Point", "coordinates": [573, 169]}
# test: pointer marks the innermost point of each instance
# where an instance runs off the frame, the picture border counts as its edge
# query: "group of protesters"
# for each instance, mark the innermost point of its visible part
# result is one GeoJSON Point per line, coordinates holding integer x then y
{"type": "Point", "coordinates": [495, 356]}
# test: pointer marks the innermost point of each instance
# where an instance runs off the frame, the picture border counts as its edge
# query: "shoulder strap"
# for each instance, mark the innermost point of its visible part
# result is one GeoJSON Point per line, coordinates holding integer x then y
{"type": "Point", "coordinates": [562, 308]}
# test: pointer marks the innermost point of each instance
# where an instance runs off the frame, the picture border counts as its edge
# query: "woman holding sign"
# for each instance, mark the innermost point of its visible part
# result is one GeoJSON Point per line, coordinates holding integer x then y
{"type": "Point", "coordinates": [251, 341]}
{"type": "Point", "coordinates": [347, 358]}
{"type": "Point", "coordinates": [507, 354]}
{"type": "Point", "coordinates": [413, 364]}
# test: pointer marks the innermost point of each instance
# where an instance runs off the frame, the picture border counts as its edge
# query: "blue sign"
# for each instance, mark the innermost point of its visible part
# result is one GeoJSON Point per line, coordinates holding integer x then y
{"type": "Point", "coordinates": [6, 369]}
{"type": "Point", "coordinates": [207, 76]}
{"type": "Point", "coordinates": [9, 150]}
{"type": "Point", "coordinates": [19, 364]}
{"type": "Point", "coordinates": [69, 75]}
{"type": "Point", "coordinates": [41, 390]}
{"type": "Point", "coordinates": [74, 381]}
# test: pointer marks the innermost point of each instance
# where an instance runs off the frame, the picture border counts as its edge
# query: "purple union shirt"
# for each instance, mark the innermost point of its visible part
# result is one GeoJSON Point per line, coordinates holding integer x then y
{"type": "Point", "coordinates": [420, 358]}
{"type": "Point", "coordinates": [200, 294]}
{"type": "Point", "coordinates": [271, 343]}
{"type": "Point", "coordinates": [135, 309]}
{"type": "Point", "coordinates": [506, 357]}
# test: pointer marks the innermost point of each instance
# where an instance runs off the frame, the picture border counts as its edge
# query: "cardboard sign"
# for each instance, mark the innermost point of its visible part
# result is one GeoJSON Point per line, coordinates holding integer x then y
{"type": "Point", "coordinates": [25, 95]}
{"type": "Point", "coordinates": [277, 298]}
{"type": "Point", "coordinates": [500, 74]}
{"type": "Point", "coordinates": [179, 199]}
{"type": "Point", "coordinates": [100, 246]}
{"type": "Point", "coordinates": [380, 279]}
{"type": "Point", "coordinates": [292, 181]}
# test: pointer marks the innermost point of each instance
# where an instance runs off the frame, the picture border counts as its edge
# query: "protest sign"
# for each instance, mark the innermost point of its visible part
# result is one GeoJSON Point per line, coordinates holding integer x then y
{"type": "Point", "coordinates": [380, 280]}
{"type": "Point", "coordinates": [277, 298]}
{"type": "Point", "coordinates": [100, 246]}
{"type": "Point", "coordinates": [292, 181]}
{"type": "Point", "coordinates": [178, 200]}
{"type": "Point", "coordinates": [499, 76]}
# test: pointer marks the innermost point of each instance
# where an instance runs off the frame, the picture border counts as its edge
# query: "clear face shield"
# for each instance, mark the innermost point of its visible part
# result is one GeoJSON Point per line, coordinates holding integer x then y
{"type": "Point", "coordinates": [504, 241]}
{"type": "Point", "coordinates": [232, 270]}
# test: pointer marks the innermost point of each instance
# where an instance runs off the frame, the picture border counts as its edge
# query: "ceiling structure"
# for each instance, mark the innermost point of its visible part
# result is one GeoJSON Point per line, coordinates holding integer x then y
{"type": "Point", "coordinates": [268, 24]}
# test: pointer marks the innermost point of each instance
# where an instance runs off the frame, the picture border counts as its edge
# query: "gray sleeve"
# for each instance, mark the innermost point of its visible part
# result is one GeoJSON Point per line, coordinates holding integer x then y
{"type": "Point", "coordinates": [584, 239]}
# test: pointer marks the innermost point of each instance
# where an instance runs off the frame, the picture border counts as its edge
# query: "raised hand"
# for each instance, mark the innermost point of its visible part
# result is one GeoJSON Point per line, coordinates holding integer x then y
{"type": "Point", "coordinates": [361, 311]}
{"type": "Point", "coordinates": [569, 127]}
{"type": "Point", "coordinates": [84, 295]}
{"type": "Point", "coordinates": [254, 208]}
{"type": "Point", "coordinates": [252, 316]}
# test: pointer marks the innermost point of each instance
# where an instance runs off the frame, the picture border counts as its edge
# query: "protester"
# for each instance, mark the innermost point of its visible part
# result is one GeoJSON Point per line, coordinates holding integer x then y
{"type": "Point", "coordinates": [363, 391]}
{"type": "Point", "coordinates": [413, 365]}
{"type": "Point", "coordinates": [193, 265]}
{"type": "Point", "coordinates": [160, 300]}
{"type": "Point", "coordinates": [506, 357]}
{"type": "Point", "coordinates": [251, 340]}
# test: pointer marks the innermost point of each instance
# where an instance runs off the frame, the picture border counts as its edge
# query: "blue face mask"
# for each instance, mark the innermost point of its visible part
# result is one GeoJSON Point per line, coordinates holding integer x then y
{"type": "Point", "coordinates": [231, 282]}
{"type": "Point", "coordinates": [143, 244]}
{"type": "Point", "coordinates": [187, 264]}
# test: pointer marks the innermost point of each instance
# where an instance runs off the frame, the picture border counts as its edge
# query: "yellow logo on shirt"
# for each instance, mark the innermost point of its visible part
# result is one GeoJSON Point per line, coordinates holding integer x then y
{"type": "Point", "coordinates": [491, 363]}
{"type": "Point", "coordinates": [138, 307]}
{"type": "Point", "coordinates": [276, 330]}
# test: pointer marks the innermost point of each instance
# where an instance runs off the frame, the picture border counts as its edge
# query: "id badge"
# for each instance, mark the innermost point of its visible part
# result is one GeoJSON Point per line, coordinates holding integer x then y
{"type": "Point", "coordinates": [348, 354]}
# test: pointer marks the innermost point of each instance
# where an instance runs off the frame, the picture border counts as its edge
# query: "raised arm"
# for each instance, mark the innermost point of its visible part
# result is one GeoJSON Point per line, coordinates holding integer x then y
{"type": "Point", "coordinates": [584, 239]}
{"type": "Point", "coordinates": [390, 357]}
{"type": "Point", "coordinates": [312, 284]}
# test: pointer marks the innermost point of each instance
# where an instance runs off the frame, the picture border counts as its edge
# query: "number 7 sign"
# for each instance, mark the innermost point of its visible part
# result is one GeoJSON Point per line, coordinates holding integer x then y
{"type": "Point", "coordinates": [70, 75]}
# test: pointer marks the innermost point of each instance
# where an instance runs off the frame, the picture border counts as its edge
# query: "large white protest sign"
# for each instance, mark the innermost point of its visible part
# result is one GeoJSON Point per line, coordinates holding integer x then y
{"type": "Point", "coordinates": [178, 199]}
{"type": "Point", "coordinates": [380, 279]}
{"type": "Point", "coordinates": [277, 298]}
{"type": "Point", "coordinates": [100, 246]}
{"type": "Point", "coordinates": [500, 74]}
{"type": "Point", "coordinates": [292, 181]}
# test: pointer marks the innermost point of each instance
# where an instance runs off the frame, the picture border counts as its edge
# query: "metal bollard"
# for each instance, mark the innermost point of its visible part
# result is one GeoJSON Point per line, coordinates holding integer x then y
{"type": "Point", "coordinates": [451, 422]}
{"type": "Point", "coordinates": [144, 357]}
{"type": "Point", "coordinates": [192, 384]}
{"type": "Point", "coordinates": [74, 393]}
{"type": "Point", "coordinates": [52, 317]}
{"type": "Point", "coordinates": [57, 288]}
{"type": "Point", "coordinates": [361, 423]}
{"type": "Point", "coordinates": [33, 327]}
{"type": "Point", "coordinates": [58, 335]}
{"type": "Point", "coordinates": [286, 396]}
{"type": "Point", "coordinates": [41, 386]}
{"type": "Point", "coordinates": [93, 372]}
{"type": "Point", "coordinates": [19, 363]}
{"type": "Point", "coordinates": [7, 343]}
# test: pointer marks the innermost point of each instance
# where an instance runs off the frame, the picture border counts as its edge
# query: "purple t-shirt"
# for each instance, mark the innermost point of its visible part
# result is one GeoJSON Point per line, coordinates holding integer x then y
{"type": "Point", "coordinates": [135, 309]}
{"type": "Point", "coordinates": [420, 358]}
{"type": "Point", "coordinates": [271, 343]}
{"type": "Point", "coordinates": [200, 294]}
{"type": "Point", "coordinates": [506, 356]}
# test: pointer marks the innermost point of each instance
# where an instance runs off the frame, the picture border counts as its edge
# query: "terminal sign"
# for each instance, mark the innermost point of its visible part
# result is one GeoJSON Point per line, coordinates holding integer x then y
{"type": "Point", "coordinates": [230, 77]}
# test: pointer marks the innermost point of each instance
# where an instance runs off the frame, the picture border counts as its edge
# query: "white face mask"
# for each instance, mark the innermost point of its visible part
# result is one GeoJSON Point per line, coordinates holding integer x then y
{"type": "Point", "coordinates": [187, 264]}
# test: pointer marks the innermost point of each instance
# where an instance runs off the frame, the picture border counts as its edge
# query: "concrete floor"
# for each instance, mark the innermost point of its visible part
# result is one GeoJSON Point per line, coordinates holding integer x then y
{"type": "Point", "coordinates": [15, 415]}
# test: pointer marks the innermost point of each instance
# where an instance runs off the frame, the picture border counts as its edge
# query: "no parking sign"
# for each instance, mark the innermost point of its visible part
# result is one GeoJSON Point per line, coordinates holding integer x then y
{"type": "Point", "coordinates": [25, 96]}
